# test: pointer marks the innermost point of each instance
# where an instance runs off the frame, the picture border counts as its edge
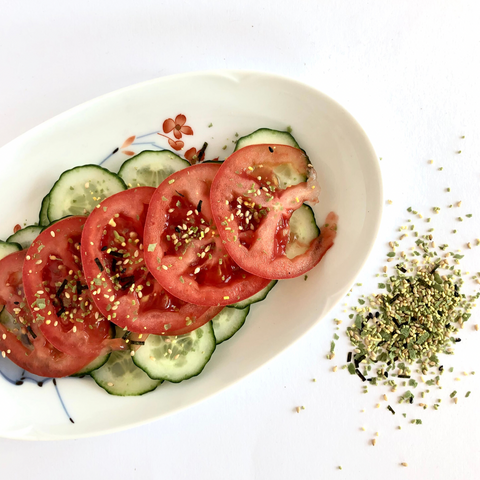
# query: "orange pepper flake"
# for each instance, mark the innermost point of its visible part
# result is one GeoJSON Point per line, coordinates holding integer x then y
{"type": "Point", "coordinates": [16, 228]}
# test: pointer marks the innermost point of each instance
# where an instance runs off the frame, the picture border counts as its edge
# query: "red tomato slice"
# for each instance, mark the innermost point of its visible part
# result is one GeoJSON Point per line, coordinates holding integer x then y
{"type": "Point", "coordinates": [20, 339]}
{"type": "Point", "coordinates": [57, 293]}
{"type": "Point", "coordinates": [120, 283]}
{"type": "Point", "coordinates": [183, 249]}
{"type": "Point", "coordinates": [253, 211]}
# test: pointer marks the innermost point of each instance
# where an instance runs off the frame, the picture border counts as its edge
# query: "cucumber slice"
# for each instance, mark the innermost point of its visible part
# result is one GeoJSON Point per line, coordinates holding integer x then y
{"type": "Point", "coordinates": [150, 168]}
{"type": "Point", "coordinates": [228, 322]}
{"type": "Point", "coordinates": [286, 174]}
{"type": "Point", "coordinates": [25, 236]}
{"type": "Point", "coordinates": [6, 248]}
{"type": "Point", "coordinates": [94, 365]}
{"type": "Point", "coordinates": [120, 376]}
{"type": "Point", "coordinates": [79, 190]}
{"type": "Point", "coordinates": [43, 216]}
{"type": "Point", "coordinates": [176, 358]}
{"type": "Point", "coordinates": [303, 229]}
{"type": "Point", "coordinates": [258, 297]}
{"type": "Point", "coordinates": [264, 136]}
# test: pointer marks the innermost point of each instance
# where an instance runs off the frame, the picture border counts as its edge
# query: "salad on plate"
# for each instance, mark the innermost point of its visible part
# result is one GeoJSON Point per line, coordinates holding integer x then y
{"type": "Point", "coordinates": [135, 277]}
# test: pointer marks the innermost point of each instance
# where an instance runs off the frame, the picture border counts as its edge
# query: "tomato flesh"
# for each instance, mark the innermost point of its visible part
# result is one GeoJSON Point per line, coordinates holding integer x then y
{"type": "Point", "coordinates": [125, 291]}
{"type": "Point", "coordinates": [253, 208]}
{"type": "Point", "coordinates": [58, 295]}
{"type": "Point", "coordinates": [183, 248]}
{"type": "Point", "coordinates": [21, 340]}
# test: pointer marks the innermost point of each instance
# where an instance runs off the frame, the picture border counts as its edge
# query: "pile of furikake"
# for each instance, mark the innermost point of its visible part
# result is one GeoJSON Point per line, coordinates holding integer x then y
{"type": "Point", "coordinates": [398, 334]}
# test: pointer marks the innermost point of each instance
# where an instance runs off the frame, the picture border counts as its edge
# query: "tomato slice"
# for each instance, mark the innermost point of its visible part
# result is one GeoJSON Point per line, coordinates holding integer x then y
{"type": "Point", "coordinates": [183, 249]}
{"type": "Point", "coordinates": [120, 283]}
{"type": "Point", "coordinates": [252, 206]}
{"type": "Point", "coordinates": [57, 293]}
{"type": "Point", "coordinates": [20, 339]}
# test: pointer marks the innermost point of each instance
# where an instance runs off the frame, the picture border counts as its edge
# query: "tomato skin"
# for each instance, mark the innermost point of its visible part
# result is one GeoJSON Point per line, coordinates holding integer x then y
{"type": "Point", "coordinates": [183, 249]}
{"type": "Point", "coordinates": [53, 260]}
{"type": "Point", "coordinates": [248, 174]}
{"type": "Point", "coordinates": [135, 300]}
{"type": "Point", "coordinates": [27, 347]}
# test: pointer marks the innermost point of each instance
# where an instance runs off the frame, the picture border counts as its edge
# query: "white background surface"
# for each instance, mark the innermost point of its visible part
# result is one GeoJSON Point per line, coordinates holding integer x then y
{"type": "Point", "coordinates": [409, 74]}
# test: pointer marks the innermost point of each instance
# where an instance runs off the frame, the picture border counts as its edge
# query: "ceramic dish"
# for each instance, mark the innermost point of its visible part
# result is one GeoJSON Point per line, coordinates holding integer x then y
{"type": "Point", "coordinates": [218, 105]}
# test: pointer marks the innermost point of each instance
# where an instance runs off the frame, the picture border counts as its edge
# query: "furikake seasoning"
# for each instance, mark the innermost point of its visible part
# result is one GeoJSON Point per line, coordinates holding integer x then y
{"type": "Point", "coordinates": [399, 333]}
{"type": "Point", "coordinates": [418, 317]}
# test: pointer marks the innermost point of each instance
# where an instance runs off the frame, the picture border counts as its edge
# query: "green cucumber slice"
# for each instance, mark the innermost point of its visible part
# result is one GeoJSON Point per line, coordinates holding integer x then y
{"type": "Point", "coordinates": [228, 322]}
{"type": "Point", "coordinates": [176, 358]}
{"type": "Point", "coordinates": [264, 136]}
{"type": "Point", "coordinates": [43, 216]}
{"type": "Point", "coordinates": [25, 236]}
{"type": "Point", "coordinates": [258, 297]}
{"type": "Point", "coordinates": [286, 174]}
{"type": "Point", "coordinates": [79, 190]}
{"type": "Point", "coordinates": [6, 248]}
{"type": "Point", "coordinates": [303, 229]}
{"type": "Point", "coordinates": [150, 168]}
{"type": "Point", "coordinates": [120, 376]}
{"type": "Point", "coordinates": [92, 366]}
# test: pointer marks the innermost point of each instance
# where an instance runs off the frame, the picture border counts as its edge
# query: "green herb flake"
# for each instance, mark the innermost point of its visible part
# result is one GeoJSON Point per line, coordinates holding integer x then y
{"type": "Point", "coordinates": [390, 254]}
{"type": "Point", "coordinates": [467, 394]}
{"type": "Point", "coordinates": [453, 394]}
{"type": "Point", "coordinates": [351, 369]}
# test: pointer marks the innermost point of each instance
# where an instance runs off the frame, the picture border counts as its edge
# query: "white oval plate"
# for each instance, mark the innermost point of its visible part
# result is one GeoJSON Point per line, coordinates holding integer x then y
{"type": "Point", "coordinates": [232, 102]}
